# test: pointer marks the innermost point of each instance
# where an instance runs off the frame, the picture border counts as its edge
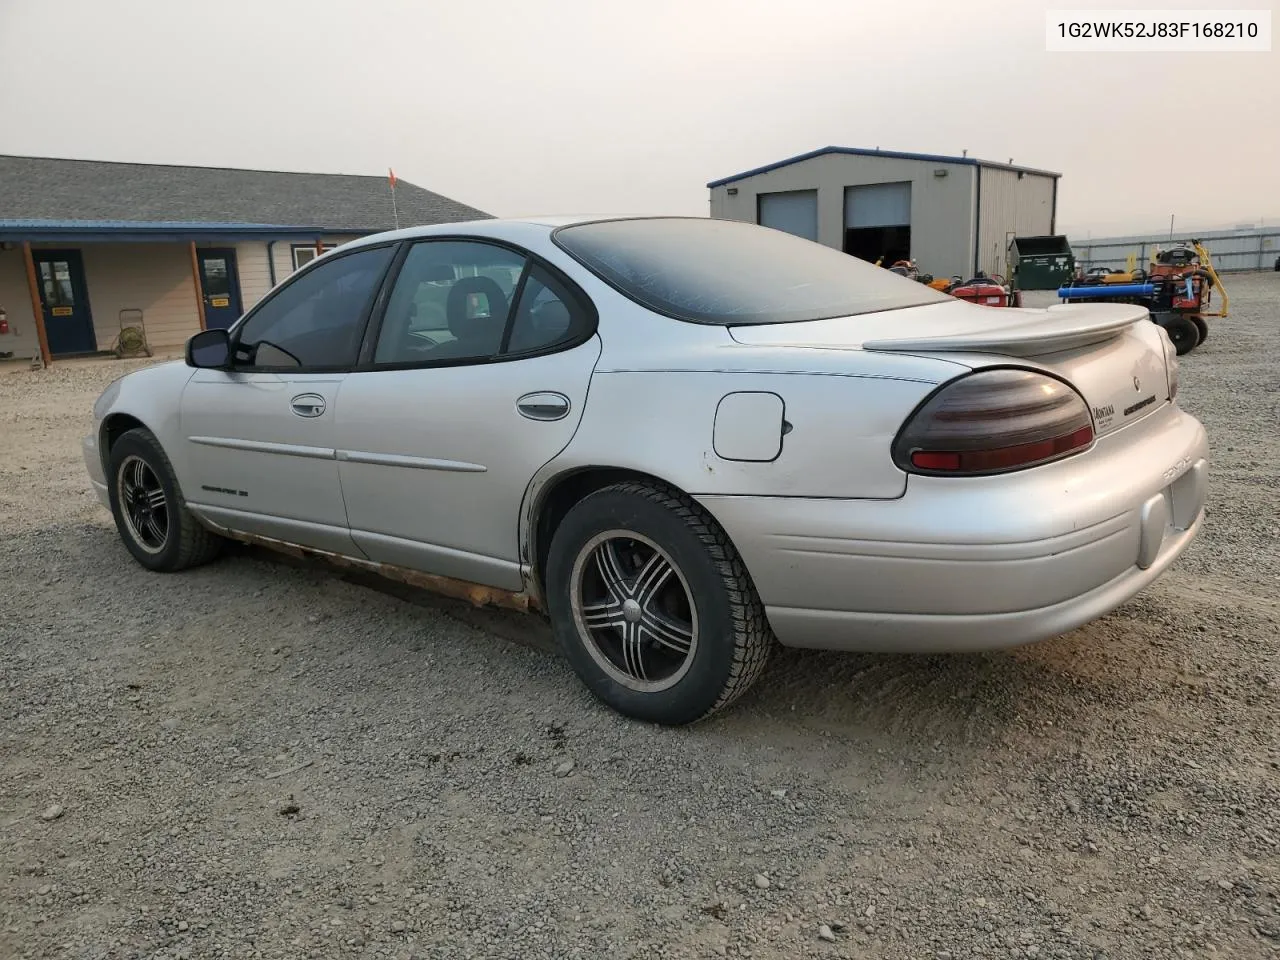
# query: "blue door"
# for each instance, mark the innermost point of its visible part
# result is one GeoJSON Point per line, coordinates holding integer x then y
{"type": "Point", "coordinates": [220, 286]}
{"type": "Point", "coordinates": [65, 302]}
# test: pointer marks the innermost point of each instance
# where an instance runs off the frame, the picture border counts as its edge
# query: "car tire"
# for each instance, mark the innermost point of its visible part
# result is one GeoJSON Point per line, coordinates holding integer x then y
{"type": "Point", "coordinates": [1183, 333]}
{"type": "Point", "coordinates": [668, 648]}
{"type": "Point", "coordinates": [150, 512]}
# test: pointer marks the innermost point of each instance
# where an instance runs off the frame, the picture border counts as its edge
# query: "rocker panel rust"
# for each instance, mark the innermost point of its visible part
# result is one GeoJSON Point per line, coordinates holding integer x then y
{"type": "Point", "coordinates": [476, 594]}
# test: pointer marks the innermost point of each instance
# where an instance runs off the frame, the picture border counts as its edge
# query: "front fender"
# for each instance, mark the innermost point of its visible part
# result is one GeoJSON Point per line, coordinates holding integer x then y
{"type": "Point", "coordinates": [150, 397]}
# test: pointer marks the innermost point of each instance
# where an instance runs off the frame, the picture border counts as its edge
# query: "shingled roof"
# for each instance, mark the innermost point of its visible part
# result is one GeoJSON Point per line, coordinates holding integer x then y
{"type": "Point", "coordinates": [52, 189]}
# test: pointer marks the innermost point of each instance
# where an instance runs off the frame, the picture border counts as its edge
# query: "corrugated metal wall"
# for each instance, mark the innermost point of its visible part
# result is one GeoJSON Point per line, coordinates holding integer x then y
{"type": "Point", "coordinates": [1232, 250]}
{"type": "Point", "coordinates": [942, 207]}
{"type": "Point", "coordinates": [1010, 205]}
{"type": "Point", "coordinates": [795, 211]}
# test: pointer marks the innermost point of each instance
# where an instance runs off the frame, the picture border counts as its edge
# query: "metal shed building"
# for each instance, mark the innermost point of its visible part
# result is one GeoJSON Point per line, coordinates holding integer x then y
{"type": "Point", "coordinates": [952, 215]}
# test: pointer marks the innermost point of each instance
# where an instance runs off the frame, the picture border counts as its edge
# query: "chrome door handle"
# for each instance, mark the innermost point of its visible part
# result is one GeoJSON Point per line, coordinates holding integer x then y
{"type": "Point", "coordinates": [543, 406]}
{"type": "Point", "coordinates": [308, 405]}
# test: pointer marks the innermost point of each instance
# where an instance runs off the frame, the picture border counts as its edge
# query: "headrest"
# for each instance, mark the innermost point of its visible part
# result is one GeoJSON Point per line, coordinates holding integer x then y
{"type": "Point", "coordinates": [476, 308]}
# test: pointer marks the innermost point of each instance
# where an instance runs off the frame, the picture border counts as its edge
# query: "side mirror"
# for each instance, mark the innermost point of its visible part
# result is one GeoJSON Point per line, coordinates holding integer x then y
{"type": "Point", "coordinates": [210, 349]}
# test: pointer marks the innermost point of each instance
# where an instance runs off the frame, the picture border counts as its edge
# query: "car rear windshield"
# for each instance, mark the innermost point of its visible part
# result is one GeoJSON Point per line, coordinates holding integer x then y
{"type": "Point", "coordinates": [731, 273]}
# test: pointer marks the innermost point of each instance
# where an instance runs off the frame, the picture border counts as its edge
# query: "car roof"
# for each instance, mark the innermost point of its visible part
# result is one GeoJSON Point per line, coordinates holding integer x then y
{"type": "Point", "coordinates": [499, 226]}
{"type": "Point", "coordinates": [560, 220]}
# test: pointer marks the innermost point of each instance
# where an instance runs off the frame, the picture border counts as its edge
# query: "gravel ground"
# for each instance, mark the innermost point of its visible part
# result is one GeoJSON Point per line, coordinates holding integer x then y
{"type": "Point", "coordinates": [262, 760]}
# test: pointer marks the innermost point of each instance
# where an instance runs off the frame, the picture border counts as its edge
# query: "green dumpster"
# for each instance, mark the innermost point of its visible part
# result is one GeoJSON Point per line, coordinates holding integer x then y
{"type": "Point", "coordinates": [1041, 263]}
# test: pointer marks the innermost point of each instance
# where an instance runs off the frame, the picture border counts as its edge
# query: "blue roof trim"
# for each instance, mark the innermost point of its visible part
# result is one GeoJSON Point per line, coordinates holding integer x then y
{"type": "Point", "coordinates": [137, 224]}
{"type": "Point", "coordinates": [23, 229]}
{"type": "Point", "coordinates": [891, 154]}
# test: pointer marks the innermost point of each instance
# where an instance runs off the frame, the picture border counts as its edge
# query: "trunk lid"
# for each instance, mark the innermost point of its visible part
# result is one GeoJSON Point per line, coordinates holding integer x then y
{"type": "Point", "coordinates": [1112, 353]}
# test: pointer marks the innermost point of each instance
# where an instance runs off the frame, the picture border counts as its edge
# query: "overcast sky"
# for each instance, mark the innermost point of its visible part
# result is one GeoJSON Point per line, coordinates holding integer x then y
{"type": "Point", "coordinates": [605, 106]}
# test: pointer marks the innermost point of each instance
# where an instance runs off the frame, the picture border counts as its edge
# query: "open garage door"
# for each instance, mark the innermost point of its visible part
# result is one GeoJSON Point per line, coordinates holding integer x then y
{"type": "Point", "coordinates": [795, 211]}
{"type": "Point", "coordinates": [877, 221]}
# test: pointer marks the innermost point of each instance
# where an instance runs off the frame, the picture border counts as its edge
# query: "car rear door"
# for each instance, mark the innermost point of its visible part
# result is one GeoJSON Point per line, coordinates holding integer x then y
{"type": "Point", "coordinates": [259, 439]}
{"type": "Point", "coordinates": [478, 378]}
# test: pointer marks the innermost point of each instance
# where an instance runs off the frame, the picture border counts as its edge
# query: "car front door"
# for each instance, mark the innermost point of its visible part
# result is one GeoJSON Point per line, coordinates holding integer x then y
{"type": "Point", "coordinates": [477, 379]}
{"type": "Point", "coordinates": [259, 453]}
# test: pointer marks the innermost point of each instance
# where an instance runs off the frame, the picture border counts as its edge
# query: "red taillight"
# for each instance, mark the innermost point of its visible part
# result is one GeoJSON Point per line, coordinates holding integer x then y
{"type": "Point", "coordinates": [926, 460]}
{"type": "Point", "coordinates": [994, 421]}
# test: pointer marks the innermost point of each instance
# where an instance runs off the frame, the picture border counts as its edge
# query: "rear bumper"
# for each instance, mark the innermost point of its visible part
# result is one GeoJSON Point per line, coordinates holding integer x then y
{"type": "Point", "coordinates": [977, 563]}
{"type": "Point", "coordinates": [93, 465]}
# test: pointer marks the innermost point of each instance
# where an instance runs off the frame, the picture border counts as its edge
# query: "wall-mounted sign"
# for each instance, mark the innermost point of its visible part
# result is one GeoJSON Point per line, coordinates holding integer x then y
{"type": "Point", "coordinates": [62, 311]}
{"type": "Point", "coordinates": [220, 302]}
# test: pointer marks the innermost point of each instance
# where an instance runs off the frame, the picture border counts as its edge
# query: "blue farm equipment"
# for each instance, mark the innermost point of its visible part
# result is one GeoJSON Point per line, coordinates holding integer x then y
{"type": "Point", "coordinates": [1176, 289]}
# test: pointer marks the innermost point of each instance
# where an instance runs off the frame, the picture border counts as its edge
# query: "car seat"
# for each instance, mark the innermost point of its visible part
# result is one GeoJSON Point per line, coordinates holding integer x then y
{"type": "Point", "coordinates": [477, 335]}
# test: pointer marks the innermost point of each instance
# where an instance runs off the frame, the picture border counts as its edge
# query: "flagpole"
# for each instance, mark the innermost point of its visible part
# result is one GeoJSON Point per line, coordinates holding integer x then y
{"type": "Point", "coordinates": [394, 211]}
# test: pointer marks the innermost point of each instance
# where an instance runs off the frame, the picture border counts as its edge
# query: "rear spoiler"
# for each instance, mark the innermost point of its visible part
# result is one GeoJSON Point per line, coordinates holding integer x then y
{"type": "Point", "coordinates": [1030, 333]}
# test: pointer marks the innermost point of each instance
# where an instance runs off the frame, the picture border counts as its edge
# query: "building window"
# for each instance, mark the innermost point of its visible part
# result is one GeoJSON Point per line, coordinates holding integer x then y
{"type": "Point", "coordinates": [304, 253]}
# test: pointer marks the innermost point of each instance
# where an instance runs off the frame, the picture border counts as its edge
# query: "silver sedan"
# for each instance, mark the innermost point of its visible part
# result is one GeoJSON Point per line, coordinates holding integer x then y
{"type": "Point", "coordinates": [682, 440]}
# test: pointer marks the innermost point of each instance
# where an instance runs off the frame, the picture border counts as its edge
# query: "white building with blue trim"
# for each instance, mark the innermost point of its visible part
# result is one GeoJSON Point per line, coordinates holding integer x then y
{"type": "Point", "coordinates": [85, 245]}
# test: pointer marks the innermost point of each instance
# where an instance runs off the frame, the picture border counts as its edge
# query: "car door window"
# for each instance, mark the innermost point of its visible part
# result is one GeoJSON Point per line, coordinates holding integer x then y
{"type": "Point", "coordinates": [450, 302]}
{"type": "Point", "coordinates": [463, 300]}
{"type": "Point", "coordinates": [315, 321]}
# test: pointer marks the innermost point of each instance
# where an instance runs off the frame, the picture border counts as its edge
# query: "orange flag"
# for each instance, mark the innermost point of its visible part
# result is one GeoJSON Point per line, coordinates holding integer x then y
{"type": "Point", "coordinates": [392, 177]}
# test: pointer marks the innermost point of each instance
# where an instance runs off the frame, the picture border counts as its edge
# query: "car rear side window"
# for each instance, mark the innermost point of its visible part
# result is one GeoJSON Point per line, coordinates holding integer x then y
{"type": "Point", "coordinates": [547, 314]}
{"type": "Point", "coordinates": [317, 320]}
{"type": "Point", "coordinates": [730, 272]}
